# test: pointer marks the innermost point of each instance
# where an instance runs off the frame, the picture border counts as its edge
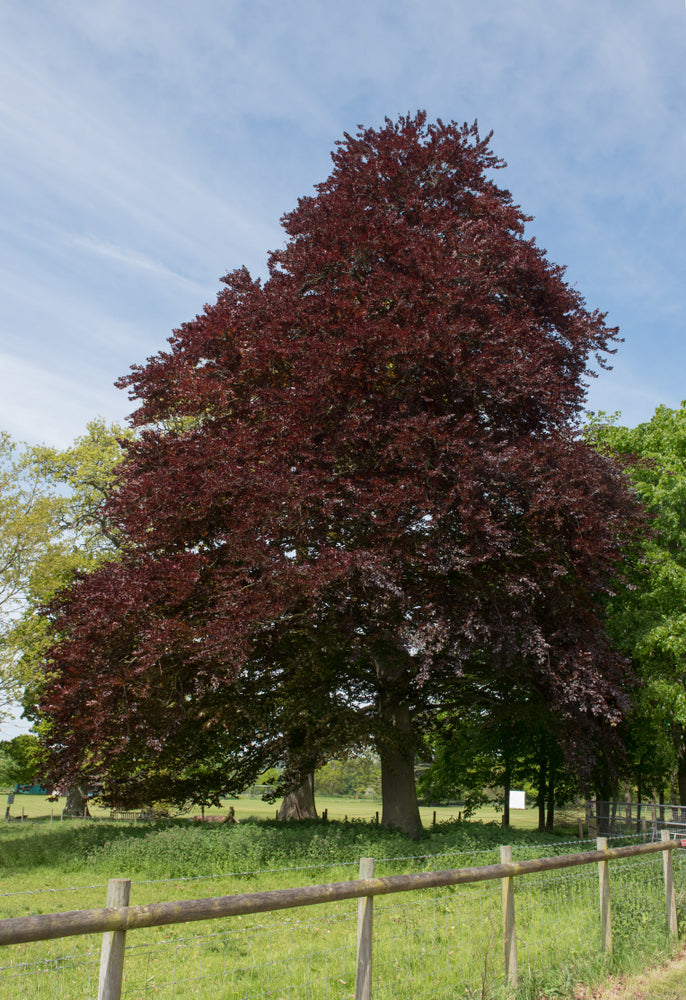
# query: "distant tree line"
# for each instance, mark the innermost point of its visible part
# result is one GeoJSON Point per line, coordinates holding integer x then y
{"type": "Point", "coordinates": [359, 777]}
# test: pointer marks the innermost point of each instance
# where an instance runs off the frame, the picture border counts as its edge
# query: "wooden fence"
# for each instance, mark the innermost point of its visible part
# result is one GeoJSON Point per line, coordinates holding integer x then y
{"type": "Point", "coordinates": [118, 917]}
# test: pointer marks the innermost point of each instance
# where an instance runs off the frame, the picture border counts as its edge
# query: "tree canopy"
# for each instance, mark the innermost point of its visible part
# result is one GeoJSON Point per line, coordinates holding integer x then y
{"type": "Point", "coordinates": [19, 760]}
{"type": "Point", "coordinates": [351, 482]}
{"type": "Point", "coordinates": [647, 618]}
{"type": "Point", "coordinates": [50, 528]}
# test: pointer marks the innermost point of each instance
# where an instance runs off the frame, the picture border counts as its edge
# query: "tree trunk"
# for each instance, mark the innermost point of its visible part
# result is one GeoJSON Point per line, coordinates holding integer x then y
{"type": "Point", "coordinates": [506, 787]}
{"type": "Point", "coordinates": [542, 784]}
{"type": "Point", "coordinates": [77, 802]}
{"type": "Point", "coordinates": [398, 792]}
{"type": "Point", "coordinates": [396, 748]}
{"type": "Point", "coordinates": [299, 804]}
{"type": "Point", "coordinates": [396, 743]}
{"type": "Point", "coordinates": [681, 780]}
{"type": "Point", "coordinates": [550, 817]}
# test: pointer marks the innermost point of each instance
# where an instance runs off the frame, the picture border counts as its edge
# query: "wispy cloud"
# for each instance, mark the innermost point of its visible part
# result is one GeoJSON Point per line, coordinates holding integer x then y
{"type": "Point", "coordinates": [40, 405]}
{"type": "Point", "coordinates": [132, 260]}
{"type": "Point", "coordinates": [145, 151]}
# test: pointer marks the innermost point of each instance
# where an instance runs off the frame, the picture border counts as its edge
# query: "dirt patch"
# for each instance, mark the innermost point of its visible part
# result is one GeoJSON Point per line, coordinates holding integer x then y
{"type": "Point", "coordinates": [667, 982]}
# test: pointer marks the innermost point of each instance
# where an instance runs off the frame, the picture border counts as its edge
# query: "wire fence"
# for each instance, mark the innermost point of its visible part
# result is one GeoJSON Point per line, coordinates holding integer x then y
{"type": "Point", "coordinates": [608, 818]}
{"type": "Point", "coordinates": [429, 943]}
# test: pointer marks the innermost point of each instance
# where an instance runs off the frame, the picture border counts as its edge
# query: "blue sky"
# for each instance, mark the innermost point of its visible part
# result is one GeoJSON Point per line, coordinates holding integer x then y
{"type": "Point", "coordinates": [148, 148]}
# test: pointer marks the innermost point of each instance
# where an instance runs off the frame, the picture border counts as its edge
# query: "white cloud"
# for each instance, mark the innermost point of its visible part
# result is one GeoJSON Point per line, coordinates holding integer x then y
{"type": "Point", "coordinates": [146, 148]}
{"type": "Point", "coordinates": [133, 260]}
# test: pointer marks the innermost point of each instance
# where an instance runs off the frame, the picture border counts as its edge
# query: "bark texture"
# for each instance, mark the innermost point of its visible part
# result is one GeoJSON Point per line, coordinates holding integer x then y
{"type": "Point", "coordinates": [300, 804]}
{"type": "Point", "coordinates": [400, 807]}
{"type": "Point", "coordinates": [542, 784]}
{"type": "Point", "coordinates": [396, 746]}
{"type": "Point", "coordinates": [77, 802]}
{"type": "Point", "coordinates": [507, 785]}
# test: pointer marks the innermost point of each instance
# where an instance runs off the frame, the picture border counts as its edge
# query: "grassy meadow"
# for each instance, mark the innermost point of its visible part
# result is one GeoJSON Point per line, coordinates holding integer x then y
{"type": "Point", "coordinates": [435, 943]}
{"type": "Point", "coordinates": [338, 808]}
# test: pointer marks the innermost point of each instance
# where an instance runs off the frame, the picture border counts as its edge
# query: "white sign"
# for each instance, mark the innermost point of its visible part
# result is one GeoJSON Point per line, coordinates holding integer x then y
{"type": "Point", "coordinates": [517, 800]}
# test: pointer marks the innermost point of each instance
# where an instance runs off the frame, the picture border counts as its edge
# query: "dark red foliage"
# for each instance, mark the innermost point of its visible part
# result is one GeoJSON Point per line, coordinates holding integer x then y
{"type": "Point", "coordinates": [374, 451]}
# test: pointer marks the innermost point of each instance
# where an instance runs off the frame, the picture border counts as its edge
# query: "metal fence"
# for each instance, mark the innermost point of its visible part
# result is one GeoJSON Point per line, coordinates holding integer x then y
{"type": "Point", "coordinates": [434, 934]}
{"type": "Point", "coordinates": [627, 818]}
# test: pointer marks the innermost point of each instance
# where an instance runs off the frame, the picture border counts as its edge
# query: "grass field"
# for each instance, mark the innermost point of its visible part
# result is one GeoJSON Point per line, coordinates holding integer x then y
{"type": "Point", "coordinates": [436, 943]}
{"type": "Point", "coordinates": [246, 807]}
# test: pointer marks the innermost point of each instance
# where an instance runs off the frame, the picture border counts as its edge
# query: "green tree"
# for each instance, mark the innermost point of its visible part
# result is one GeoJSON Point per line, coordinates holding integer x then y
{"type": "Point", "coordinates": [28, 523]}
{"type": "Point", "coordinates": [647, 618]}
{"type": "Point", "coordinates": [19, 760]}
{"type": "Point", "coordinates": [358, 775]}
{"type": "Point", "coordinates": [51, 527]}
{"type": "Point", "coordinates": [501, 737]}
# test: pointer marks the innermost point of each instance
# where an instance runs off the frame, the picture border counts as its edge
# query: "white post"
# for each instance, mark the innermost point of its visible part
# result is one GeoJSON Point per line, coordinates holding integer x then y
{"type": "Point", "coordinates": [605, 914]}
{"type": "Point", "coordinates": [670, 895]}
{"type": "Point", "coordinates": [509, 934]}
{"type": "Point", "coordinates": [113, 942]}
{"type": "Point", "coordinates": [365, 919]}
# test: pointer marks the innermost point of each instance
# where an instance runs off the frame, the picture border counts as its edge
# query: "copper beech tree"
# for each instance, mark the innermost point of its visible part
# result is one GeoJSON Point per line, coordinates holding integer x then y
{"type": "Point", "coordinates": [353, 481]}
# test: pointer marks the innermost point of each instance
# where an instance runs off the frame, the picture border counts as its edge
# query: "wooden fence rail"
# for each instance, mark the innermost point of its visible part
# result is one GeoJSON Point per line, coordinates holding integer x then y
{"type": "Point", "coordinates": [114, 920]}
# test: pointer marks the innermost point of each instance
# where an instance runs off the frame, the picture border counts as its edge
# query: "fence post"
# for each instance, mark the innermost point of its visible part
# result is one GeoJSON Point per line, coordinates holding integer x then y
{"type": "Point", "coordinates": [581, 828]}
{"type": "Point", "coordinates": [509, 934]}
{"type": "Point", "coordinates": [670, 896]}
{"type": "Point", "coordinates": [112, 953]}
{"type": "Point", "coordinates": [365, 916]}
{"type": "Point", "coordinates": [605, 914]}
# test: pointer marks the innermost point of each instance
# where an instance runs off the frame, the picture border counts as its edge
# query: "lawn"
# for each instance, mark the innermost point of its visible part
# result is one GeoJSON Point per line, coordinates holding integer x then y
{"type": "Point", "coordinates": [338, 808]}
{"type": "Point", "coordinates": [433, 943]}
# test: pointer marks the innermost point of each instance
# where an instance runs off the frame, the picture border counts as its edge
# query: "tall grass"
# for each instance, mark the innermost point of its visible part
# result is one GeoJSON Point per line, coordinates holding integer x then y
{"type": "Point", "coordinates": [177, 849]}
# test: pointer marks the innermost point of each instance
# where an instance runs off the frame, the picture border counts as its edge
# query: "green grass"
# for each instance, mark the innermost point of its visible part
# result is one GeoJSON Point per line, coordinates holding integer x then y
{"type": "Point", "coordinates": [37, 807]}
{"type": "Point", "coordinates": [435, 943]}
